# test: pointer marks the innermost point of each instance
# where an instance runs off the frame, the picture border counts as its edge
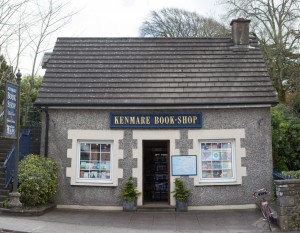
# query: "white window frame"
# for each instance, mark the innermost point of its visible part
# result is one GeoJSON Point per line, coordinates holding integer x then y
{"type": "Point", "coordinates": [220, 134]}
{"type": "Point", "coordinates": [233, 159]}
{"type": "Point", "coordinates": [94, 180]}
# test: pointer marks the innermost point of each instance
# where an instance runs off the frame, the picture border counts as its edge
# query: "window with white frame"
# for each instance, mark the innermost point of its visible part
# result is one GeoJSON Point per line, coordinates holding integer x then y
{"type": "Point", "coordinates": [94, 162]}
{"type": "Point", "coordinates": [217, 161]}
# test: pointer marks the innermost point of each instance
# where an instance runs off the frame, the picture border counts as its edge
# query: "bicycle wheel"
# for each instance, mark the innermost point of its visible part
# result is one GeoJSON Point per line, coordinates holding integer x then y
{"type": "Point", "coordinates": [268, 215]}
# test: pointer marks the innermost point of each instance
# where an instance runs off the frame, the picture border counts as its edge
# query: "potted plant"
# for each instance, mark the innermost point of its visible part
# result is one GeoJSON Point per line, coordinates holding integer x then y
{"type": "Point", "coordinates": [181, 195]}
{"type": "Point", "coordinates": [130, 194]}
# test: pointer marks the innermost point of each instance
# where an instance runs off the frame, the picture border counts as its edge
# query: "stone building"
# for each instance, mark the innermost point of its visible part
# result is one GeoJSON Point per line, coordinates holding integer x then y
{"type": "Point", "coordinates": [157, 109]}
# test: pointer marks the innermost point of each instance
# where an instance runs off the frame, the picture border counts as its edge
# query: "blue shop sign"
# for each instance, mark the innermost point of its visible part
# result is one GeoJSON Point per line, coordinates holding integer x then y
{"type": "Point", "coordinates": [10, 106]}
{"type": "Point", "coordinates": [168, 120]}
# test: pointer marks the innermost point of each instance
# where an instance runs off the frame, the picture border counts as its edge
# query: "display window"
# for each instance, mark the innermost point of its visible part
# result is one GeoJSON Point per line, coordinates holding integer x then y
{"type": "Point", "coordinates": [95, 159]}
{"type": "Point", "coordinates": [217, 161]}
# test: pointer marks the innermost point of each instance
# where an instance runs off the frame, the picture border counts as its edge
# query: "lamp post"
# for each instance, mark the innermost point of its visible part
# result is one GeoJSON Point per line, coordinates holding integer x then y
{"type": "Point", "coordinates": [14, 201]}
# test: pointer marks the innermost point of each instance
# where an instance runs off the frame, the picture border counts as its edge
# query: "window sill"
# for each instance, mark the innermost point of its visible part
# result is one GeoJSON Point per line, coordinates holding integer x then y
{"type": "Point", "coordinates": [217, 183]}
{"type": "Point", "coordinates": [108, 184]}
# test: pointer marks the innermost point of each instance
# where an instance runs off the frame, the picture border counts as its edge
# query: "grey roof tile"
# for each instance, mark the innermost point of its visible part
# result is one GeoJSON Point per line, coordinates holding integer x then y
{"type": "Point", "coordinates": [154, 71]}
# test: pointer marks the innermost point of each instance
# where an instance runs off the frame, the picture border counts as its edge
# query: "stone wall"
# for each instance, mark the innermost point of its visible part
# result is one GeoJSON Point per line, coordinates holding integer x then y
{"type": "Point", "coordinates": [288, 204]}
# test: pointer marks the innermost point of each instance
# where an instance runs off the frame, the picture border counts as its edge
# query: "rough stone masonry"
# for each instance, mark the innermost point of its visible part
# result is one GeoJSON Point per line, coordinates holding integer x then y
{"type": "Point", "coordinates": [288, 204]}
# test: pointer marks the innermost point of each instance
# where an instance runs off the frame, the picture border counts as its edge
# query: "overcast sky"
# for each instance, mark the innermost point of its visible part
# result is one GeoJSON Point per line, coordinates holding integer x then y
{"type": "Point", "coordinates": [122, 18]}
{"type": "Point", "coordinates": [119, 18]}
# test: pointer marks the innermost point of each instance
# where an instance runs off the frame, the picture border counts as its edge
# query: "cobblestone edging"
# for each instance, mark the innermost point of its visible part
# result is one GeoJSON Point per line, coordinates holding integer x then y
{"type": "Point", "coordinates": [288, 204]}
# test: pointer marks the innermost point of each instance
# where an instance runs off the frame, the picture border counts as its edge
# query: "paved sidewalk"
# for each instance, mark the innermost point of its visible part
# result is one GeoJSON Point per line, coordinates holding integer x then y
{"type": "Point", "coordinates": [90, 221]}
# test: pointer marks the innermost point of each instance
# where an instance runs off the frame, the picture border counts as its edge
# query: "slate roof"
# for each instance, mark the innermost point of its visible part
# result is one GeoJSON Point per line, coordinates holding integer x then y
{"type": "Point", "coordinates": [154, 72]}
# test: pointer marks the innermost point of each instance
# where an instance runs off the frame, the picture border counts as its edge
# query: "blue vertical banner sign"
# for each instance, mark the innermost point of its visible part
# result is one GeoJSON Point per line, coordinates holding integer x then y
{"type": "Point", "coordinates": [10, 106]}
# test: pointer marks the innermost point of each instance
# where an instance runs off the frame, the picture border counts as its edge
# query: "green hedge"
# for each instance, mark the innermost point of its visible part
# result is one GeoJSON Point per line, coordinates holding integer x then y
{"type": "Point", "coordinates": [285, 139]}
{"type": "Point", "coordinates": [291, 174]}
{"type": "Point", "coordinates": [37, 180]}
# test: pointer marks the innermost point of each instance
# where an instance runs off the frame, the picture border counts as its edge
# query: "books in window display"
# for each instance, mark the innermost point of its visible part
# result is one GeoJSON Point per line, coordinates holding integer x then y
{"type": "Point", "coordinates": [226, 165]}
{"type": "Point", "coordinates": [105, 148]}
{"type": "Point", "coordinates": [85, 148]}
{"type": "Point", "coordinates": [206, 147]}
{"type": "Point", "coordinates": [91, 165]}
{"type": "Point", "coordinates": [105, 157]}
{"type": "Point", "coordinates": [207, 174]}
{"type": "Point", "coordinates": [94, 174]}
{"type": "Point", "coordinates": [214, 146]}
{"type": "Point", "coordinates": [216, 155]}
{"type": "Point", "coordinates": [206, 156]}
{"type": "Point", "coordinates": [227, 174]}
{"type": "Point", "coordinates": [217, 174]}
{"type": "Point", "coordinates": [95, 156]}
{"type": "Point", "coordinates": [86, 165]}
{"type": "Point", "coordinates": [226, 155]}
{"type": "Point", "coordinates": [82, 165]}
{"type": "Point", "coordinates": [84, 156]}
{"type": "Point", "coordinates": [104, 166]}
{"type": "Point", "coordinates": [206, 165]}
{"type": "Point", "coordinates": [104, 175]}
{"type": "Point", "coordinates": [217, 165]}
{"type": "Point", "coordinates": [81, 174]}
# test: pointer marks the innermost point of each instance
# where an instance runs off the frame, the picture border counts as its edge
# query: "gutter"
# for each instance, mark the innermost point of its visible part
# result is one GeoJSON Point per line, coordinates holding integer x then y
{"type": "Point", "coordinates": [159, 105]}
{"type": "Point", "coordinates": [46, 133]}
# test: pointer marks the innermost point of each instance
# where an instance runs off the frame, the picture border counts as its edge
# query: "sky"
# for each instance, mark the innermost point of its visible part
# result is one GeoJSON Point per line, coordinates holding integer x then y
{"type": "Point", "coordinates": [119, 18]}
{"type": "Point", "coordinates": [122, 18]}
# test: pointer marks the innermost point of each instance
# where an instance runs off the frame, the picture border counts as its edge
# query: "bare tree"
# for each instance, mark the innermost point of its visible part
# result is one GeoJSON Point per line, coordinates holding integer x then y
{"type": "Point", "coordinates": [276, 24]}
{"type": "Point", "coordinates": [52, 18]}
{"type": "Point", "coordinates": [5, 74]}
{"type": "Point", "coordinates": [17, 43]}
{"type": "Point", "coordinates": [8, 28]}
{"type": "Point", "coordinates": [8, 10]}
{"type": "Point", "coordinates": [173, 22]}
{"type": "Point", "coordinates": [26, 27]}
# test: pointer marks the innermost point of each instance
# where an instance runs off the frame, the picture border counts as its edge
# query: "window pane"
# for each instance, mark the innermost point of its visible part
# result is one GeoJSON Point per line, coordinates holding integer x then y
{"type": "Point", "coordinates": [95, 161]}
{"type": "Point", "coordinates": [85, 151]}
{"type": "Point", "coordinates": [216, 161]}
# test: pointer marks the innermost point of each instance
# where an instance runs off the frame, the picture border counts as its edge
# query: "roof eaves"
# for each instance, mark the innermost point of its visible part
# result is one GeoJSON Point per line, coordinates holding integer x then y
{"type": "Point", "coordinates": [152, 105]}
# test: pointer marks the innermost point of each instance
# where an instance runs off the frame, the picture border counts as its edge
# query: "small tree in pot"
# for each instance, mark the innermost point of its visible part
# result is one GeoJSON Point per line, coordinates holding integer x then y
{"type": "Point", "coordinates": [130, 194]}
{"type": "Point", "coordinates": [181, 195]}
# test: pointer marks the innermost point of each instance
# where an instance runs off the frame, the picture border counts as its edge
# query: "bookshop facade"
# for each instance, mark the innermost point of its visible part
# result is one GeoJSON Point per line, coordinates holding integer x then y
{"type": "Point", "coordinates": [221, 161]}
{"type": "Point", "coordinates": [157, 109]}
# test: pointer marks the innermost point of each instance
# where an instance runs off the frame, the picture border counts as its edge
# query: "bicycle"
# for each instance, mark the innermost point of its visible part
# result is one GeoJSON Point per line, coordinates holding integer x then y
{"type": "Point", "coordinates": [263, 205]}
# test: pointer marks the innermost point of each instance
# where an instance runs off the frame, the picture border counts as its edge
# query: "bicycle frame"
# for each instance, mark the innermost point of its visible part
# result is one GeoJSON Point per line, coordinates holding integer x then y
{"type": "Point", "coordinates": [264, 205]}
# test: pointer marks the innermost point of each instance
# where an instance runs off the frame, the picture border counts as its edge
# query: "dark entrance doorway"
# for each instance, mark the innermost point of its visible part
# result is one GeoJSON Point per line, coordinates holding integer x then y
{"type": "Point", "coordinates": [156, 171]}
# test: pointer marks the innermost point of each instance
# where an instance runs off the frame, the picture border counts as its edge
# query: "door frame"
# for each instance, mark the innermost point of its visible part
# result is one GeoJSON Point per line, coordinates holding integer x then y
{"type": "Point", "coordinates": [167, 145]}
